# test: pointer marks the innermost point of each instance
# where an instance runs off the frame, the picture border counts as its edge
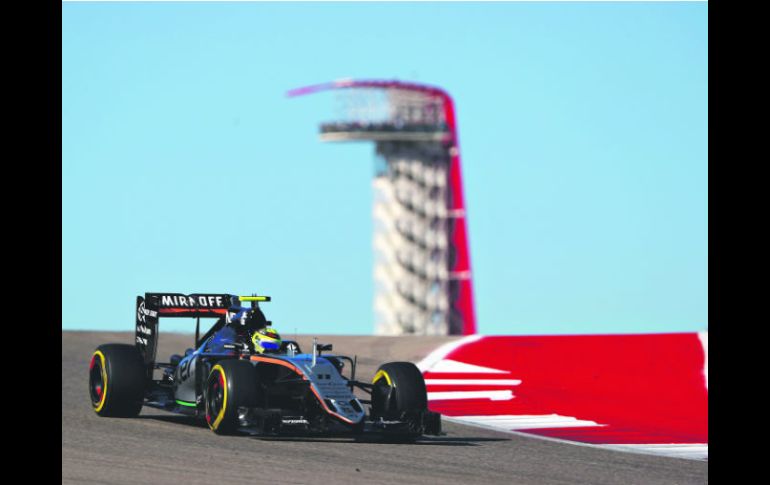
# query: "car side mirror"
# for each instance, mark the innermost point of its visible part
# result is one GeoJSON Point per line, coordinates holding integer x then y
{"type": "Point", "coordinates": [323, 347]}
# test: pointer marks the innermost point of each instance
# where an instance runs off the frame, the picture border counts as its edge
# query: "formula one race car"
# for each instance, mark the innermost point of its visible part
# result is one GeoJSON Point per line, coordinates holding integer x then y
{"type": "Point", "coordinates": [236, 389]}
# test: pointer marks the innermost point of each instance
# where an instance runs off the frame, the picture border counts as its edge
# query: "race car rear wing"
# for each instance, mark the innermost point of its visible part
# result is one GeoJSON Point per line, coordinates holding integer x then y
{"type": "Point", "coordinates": [152, 306]}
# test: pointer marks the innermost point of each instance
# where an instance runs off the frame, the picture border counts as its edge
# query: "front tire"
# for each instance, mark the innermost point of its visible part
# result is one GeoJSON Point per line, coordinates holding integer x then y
{"type": "Point", "coordinates": [230, 385]}
{"type": "Point", "coordinates": [116, 381]}
{"type": "Point", "coordinates": [399, 387]}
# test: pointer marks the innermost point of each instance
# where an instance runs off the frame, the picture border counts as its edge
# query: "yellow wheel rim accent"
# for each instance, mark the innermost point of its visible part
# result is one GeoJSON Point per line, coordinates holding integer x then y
{"type": "Point", "coordinates": [103, 368]}
{"type": "Point", "coordinates": [379, 375]}
{"type": "Point", "coordinates": [221, 414]}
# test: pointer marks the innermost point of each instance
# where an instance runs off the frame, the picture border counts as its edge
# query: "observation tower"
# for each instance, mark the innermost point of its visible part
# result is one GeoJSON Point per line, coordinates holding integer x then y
{"type": "Point", "coordinates": [422, 268]}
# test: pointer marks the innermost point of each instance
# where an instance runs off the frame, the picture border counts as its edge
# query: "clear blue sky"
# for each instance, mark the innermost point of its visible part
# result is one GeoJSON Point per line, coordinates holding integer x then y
{"type": "Point", "coordinates": [583, 134]}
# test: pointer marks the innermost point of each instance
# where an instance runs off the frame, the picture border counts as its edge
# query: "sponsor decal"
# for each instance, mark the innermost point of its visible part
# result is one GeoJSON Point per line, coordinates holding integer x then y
{"type": "Point", "coordinates": [186, 369]}
{"type": "Point", "coordinates": [141, 340]}
{"type": "Point", "coordinates": [144, 330]}
{"type": "Point", "coordinates": [199, 301]}
{"type": "Point", "coordinates": [295, 421]}
{"type": "Point", "coordinates": [142, 313]}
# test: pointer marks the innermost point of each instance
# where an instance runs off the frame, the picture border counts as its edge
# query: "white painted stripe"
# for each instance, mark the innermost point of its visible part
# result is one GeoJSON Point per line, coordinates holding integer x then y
{"type": "Point", "coordinates": [473, 382]}
{"type": "Point", "coordinates": [441, 352]}
{"type": "Point", "coordinates": [511, 422]}
{"type": "Point", "coordinates": [623, 448]}
{"type": "Point", "coordinates": [691, 451]}
{"type": "Point", "coordinates": [704, 341]}
{"type": "Point", "coordinates": [491, 395]}
{"type": "Point", "coordinates": [449, 366]}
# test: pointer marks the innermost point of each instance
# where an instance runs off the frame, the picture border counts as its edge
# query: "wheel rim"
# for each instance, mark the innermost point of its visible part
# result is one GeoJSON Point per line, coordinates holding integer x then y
{"type": "Point", "coordinates": [216, 399]}
{"type": "Point", "coordinates": [97, 381]}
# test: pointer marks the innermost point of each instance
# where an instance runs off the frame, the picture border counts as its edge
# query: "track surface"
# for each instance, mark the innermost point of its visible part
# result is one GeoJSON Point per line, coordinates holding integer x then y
{"type": "Point", "coordinates": [159, 447]}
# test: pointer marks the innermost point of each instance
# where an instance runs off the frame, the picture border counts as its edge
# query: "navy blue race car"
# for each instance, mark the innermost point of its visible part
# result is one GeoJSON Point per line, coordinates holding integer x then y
{"type": "Point", "coordinates": [240, 376]}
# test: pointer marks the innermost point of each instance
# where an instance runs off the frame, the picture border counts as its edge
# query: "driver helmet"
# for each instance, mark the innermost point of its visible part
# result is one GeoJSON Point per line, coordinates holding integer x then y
{"type": "Point", "coordinates": [266, 340]}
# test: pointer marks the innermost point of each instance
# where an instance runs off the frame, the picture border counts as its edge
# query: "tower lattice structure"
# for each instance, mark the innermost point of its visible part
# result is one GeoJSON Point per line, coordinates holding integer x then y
{"type": "Point", "coordinates": [422, 262]}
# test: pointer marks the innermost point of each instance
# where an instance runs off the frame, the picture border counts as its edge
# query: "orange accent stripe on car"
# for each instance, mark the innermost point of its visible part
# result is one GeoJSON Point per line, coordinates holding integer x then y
{"type": "Point", "coordinates": [193, 310]}
{"type": "Point", "coordinates": [291, 366]}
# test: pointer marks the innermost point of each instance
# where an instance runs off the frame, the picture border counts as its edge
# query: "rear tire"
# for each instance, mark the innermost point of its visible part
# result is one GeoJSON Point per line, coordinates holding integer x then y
{"type": "Point", "coordinates": [398, 387]}
{"type": "Point", "coordinates": [116, 381]}
{"type": "Point", "coordinates": [230, 384]}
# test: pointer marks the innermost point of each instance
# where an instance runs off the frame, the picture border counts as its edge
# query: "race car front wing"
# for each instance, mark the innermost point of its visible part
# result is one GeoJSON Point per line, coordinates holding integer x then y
{"type": "Point", "coordinates": [275, 421]}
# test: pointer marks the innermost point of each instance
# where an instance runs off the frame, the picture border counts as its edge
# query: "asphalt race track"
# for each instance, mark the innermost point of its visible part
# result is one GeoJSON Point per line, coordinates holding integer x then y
{"type": "Point", "coordinates": [159, 447]}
